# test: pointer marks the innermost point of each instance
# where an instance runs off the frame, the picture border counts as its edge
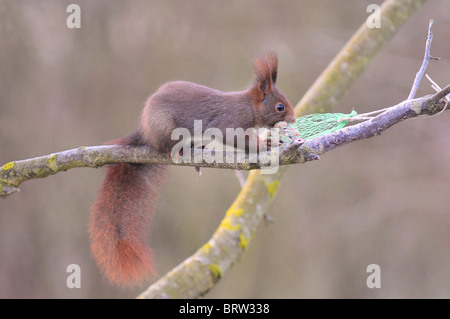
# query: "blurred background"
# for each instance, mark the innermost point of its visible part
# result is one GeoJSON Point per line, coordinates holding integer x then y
{"type": "Point", "coordinates": [380, 201]}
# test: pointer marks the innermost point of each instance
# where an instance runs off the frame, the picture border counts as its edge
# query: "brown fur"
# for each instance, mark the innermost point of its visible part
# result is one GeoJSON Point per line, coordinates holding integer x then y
{"type": "Point", "coordinates": [121, 215]}
{"type": "Point", "coordinates": [120, 219]}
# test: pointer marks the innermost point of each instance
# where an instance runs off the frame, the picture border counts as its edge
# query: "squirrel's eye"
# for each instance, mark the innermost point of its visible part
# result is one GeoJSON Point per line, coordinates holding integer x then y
{"type": "Point", "coordinates": [280, 107]}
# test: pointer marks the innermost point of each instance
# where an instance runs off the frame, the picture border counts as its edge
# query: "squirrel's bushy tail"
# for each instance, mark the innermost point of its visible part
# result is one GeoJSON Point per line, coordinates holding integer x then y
{"type": "Point", "coordinates": [120, 220]}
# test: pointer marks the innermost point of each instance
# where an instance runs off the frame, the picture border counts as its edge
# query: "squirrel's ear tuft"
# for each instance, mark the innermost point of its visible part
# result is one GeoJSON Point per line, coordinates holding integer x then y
{"type": "Point", "coordinates": [272, 60]}
{"type": "Point", "coordinates": [266, 71]}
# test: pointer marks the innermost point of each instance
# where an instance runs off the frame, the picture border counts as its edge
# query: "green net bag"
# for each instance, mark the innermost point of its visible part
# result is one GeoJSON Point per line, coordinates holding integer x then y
{"type": "Point", "coordinates": [313, 125]}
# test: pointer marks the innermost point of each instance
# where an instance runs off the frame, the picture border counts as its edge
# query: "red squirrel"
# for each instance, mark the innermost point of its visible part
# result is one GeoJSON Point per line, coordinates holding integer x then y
{"type": "Point", "coordinates": [120, 216]}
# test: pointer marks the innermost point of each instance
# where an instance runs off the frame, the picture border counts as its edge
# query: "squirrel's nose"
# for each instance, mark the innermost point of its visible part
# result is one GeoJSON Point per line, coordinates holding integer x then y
{"type": "Point", "coordinates": [291, 119]}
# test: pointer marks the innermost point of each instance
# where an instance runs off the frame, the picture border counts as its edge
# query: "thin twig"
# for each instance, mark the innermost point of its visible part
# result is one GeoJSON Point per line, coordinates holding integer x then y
{"type": "Point", "coordinates": [437, 88]}
{"type": "Point", "coordinates": [365, 116]}
{"type": "Point", "coordinates": [426, 59]}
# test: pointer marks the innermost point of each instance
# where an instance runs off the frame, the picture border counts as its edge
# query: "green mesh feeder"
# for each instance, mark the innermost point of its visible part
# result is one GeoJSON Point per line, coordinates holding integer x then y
{"type": "Point", "coordinates": [318, 124]}
{"type": "Point", "coordinates": [313, 125]}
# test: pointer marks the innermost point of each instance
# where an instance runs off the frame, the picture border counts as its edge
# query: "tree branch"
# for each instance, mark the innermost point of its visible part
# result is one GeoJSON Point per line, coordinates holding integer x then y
{"type": "Point", "coordinates": [13, 174]}
{"type": "Point", "coordinates": [426, 59]}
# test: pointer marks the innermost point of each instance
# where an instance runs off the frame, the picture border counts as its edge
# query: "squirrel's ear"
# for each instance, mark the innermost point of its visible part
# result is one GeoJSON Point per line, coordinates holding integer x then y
{"type": "Point", "coordinates": [263, 75]}
{"type": "Point", "coordinates": [272, 60]}
{"type": "Point", "coordinates": [266, 72]}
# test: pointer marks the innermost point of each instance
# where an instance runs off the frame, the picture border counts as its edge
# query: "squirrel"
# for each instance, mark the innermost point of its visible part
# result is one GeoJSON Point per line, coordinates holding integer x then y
{"type": "Point", "coordinates": [121, 215]}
